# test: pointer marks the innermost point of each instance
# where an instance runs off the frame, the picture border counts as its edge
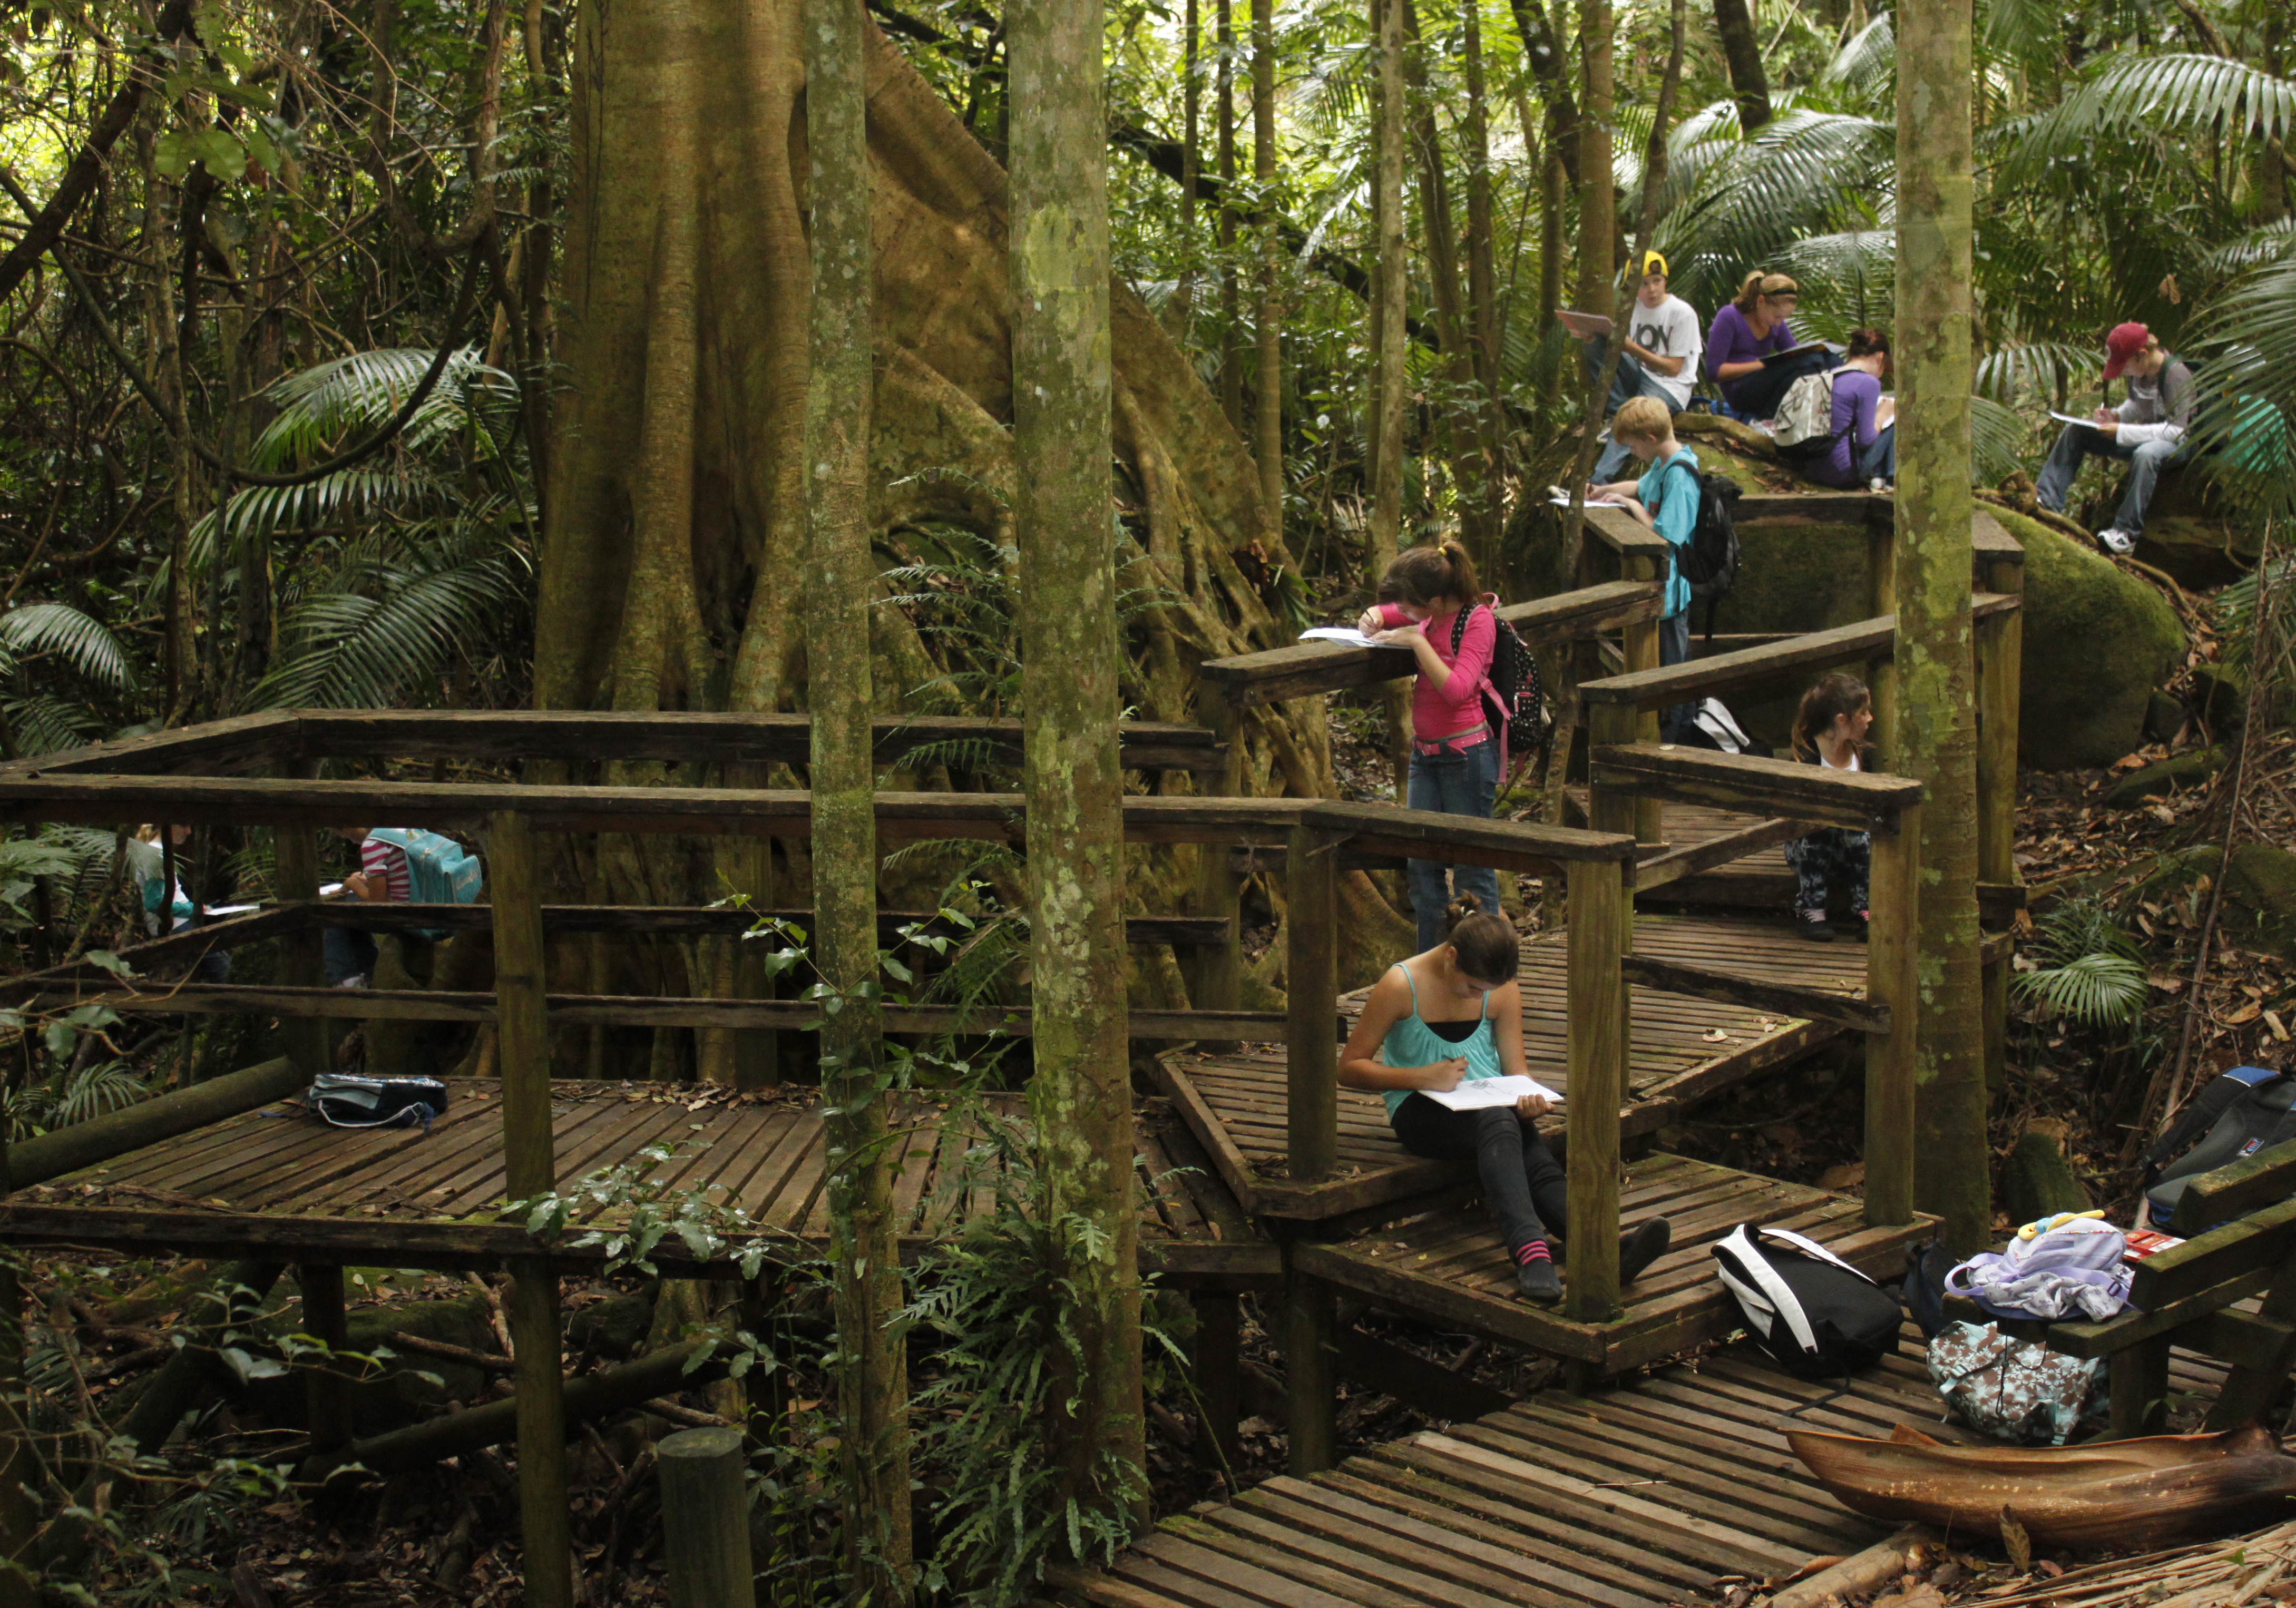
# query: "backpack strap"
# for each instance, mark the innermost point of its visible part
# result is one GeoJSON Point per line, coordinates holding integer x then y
{"type": "Point", "coordinates": [1741, 1257]}
{"type": "Point", "coordinates": [2201, 1114]}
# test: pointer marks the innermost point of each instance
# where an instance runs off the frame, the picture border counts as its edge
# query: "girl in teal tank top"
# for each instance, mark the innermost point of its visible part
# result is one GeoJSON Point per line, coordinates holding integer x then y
{"type": "Point", "coordinates": [1450, 1016]}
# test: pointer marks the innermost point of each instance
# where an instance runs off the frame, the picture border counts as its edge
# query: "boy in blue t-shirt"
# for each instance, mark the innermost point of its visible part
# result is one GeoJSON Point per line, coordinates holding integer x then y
{"type": "Point", "coordinates": [1666, 499]}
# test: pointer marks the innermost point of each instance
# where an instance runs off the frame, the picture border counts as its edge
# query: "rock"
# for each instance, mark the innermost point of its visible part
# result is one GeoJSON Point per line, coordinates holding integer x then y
{"type": "Point", "coordinates": [2097, 642]}
{"type": "Point", "coordinates": [2191, 533]}
{"type": "Point", "coordinates": [2261, 899]}
{"type": "Point", "coordinates": [2038, 1180]}
{"type": "Point", "coordinates": [2168, 775]}
{"type": "Point", "coordinates": [2164, 717]}
{"type": "Point", "coordinates": [2221, 697]}
{"type": "Point", "coordinates": [615, 1327]}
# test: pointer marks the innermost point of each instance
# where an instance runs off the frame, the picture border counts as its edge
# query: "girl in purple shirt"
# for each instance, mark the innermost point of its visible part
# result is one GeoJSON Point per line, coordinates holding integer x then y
{"type": "Point", "coordinates": [1748, 331]}
{"type": "Point", "coordinates": [1865, 422]}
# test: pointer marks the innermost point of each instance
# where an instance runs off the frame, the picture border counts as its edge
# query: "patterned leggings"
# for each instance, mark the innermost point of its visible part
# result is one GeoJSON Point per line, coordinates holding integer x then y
{"type": "Point", "coordinates": [1830, 856]}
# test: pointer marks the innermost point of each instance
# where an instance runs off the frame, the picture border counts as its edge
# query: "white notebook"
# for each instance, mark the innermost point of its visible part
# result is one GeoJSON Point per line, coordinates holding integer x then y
{"type": "Point", "coordinates": [1345, 633]}
{"type": "Point", "coordinates": [1485, 1092]}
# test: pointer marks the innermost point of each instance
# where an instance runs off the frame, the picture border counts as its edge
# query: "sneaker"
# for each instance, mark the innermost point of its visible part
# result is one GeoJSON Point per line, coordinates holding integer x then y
{"type": "Point", "coordinates": [1854, 927]}
{"type": "Point", "coordinates": [1643, 1245]}
{"type": "Point", "coordinates": [2113, 539]}
{"type": "Point", "coordinates": [1537, 1278]}
{"type": "Point", "coordinates": [1880, 487]}
{"type": "Point", "coordinates": [1811, 924]}
{"type": "Point", "coordinates": [353, 982]}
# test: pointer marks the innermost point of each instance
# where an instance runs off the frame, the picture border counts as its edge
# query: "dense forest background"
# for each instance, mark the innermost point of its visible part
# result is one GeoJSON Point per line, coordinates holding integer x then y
{"type": "Point", "coordinates": [435, 353]}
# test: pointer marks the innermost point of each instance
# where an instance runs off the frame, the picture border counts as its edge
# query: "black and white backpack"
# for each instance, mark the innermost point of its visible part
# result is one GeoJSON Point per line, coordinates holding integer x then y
{"type": "Point", "coordinates": [1817, 1316]}
{"type": "Point", "coordinates": [344, 1100]}
{"type": "Point", "coordinates": [2244, 1111]}
{"type": "Point", "coordinates": [1511, 683]}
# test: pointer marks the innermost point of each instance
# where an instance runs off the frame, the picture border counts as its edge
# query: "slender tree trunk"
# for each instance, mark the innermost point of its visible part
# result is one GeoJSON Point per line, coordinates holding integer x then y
{"type": "Point", "coordinates": [1231, 362]}
{"type": "Point", "coordinates": [1598, 222]}
{"type": "Point", "coordinates": [1389, 380]}
{"type": "Point", "coordinates": [1483, 302]}
{"type": "Point", "coordinates": [1460, 425]}
{"type": "Point", "coordinates": [1553, 197]}
{"type": "Point", "coordinates": [180, 641]}
{"type": "Point", "coordinates": [1191, 97]}
{"type": "Point", "coordinates": [1742, 52]}
{"type": "Point", "coordinates": [873, 1371]}
{"type": "Point", "coordinates": [1267, 404]}
{"type": "Point", "coordinates": [1936, 736]}
{"type": "Point", "coordinates": [1080, 1093]}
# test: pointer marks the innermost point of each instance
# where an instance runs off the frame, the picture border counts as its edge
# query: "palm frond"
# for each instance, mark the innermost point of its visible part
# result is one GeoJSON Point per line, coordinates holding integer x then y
{"type": "Point", "coordinates": [2096, 990]}
{"type": "Point", "coordinates": [2127, 92]}
{"type": "Point", "coordinates": [1997, 441]}
{"type": "Point", "coordinates": [81, 640]}
{"type": "Point", "coordinates": [325, 408]}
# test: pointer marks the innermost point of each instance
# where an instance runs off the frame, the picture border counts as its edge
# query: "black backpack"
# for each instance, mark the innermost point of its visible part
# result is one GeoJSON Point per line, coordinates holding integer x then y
{"type": "Point", "coordinates": [1709, 560]}
{"type": "Point", "coordinates": [2242, 1111]}
{"type": "Point", "coordinates": [1512, 681]}
{"type": "Point", "coordinates": [1817, 1316]}
{"type": "Point", "coordinates": [346, 1100]}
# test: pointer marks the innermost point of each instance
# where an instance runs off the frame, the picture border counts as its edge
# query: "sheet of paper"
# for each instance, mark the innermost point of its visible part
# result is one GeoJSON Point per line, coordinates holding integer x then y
{"type": "Point", "coordinates": [1562, 498]}
{"type": "Point", "coordinates": [1585, 324]}
{"type": "Point", "coordinates": [329, 889]}
{"type": "Point", "coordinates": [231, 909]}
{"type": "Point", "coordinates": [2073, 418]}
{"type": "Point", "coordinates": [1796, 351]}
{"type": "Point", "coordinates": [1485, 1092]}
{"type": "Point", "coordinates": [1345, 633]}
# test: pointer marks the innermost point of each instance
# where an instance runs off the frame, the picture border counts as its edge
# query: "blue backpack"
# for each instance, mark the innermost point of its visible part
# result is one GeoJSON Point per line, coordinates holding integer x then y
{"type": "Point", "coordinates": [438, 870]}
{"type": "Point", "coordinates": [2248, 1109]}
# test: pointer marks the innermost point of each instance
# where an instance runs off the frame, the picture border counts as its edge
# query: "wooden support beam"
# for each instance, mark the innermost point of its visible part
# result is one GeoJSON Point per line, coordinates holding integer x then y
{"type": "Point", "coordinates": [1216, 980]}
{"type": "Point", "coordinates": [521, 1014]}
{"type": "Point", "coordinates": [545, 1534]}
{"type": "Point", "coordinates": [302, 961]}
{"type": "Point", "coordinates": [2139, 1391]}
{"type": "Point", "coordinates": [675, 921]}
{"type": "Point", "coordinates": [1412, 1379]}
{"type": "Point", "coordinates": [705, 1519]}
{"type": "Point", "coordinates": [1312, 986]}
{"type": "Point", "coordinates": [1660, 869]}
{"type": "Point", "coordinates": [1857, 800]}
{"type": "Point", "coordinates": [1218, 1356]}
{"type": "Point", "coordinates": [326, 1383]}
{"type": "Point", "coordinates": [1892, 985]}
{"type": "Point", "coordinates": [1880, 669]}
{"type": "Point", "coordinates": [212, 748]}
{"type": "Point", "coordinates": [1597, 1062]}
{"type": "Point", "coordinates": [1812, 1004]}
{"type": "Point", "coordinates": [1999, 650]}
{"type": "Point", "coordinates": [1311, 1323]}
{"type": "Point", "coordinates": [1639, 646]}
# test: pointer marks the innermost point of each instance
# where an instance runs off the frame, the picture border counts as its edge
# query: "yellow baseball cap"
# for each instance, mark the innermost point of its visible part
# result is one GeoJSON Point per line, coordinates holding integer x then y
{"type": "Point", "coordinates": [1652, 263]}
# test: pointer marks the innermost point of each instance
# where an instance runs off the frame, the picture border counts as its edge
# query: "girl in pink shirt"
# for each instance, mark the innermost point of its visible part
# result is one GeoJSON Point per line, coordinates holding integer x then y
{"type": "Point", "coordinates": [1455, 749]}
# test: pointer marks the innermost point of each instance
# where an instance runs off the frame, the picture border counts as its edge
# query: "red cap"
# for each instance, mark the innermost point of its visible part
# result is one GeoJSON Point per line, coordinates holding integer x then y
{"type": "Point", "coordinates": [2125, 342]}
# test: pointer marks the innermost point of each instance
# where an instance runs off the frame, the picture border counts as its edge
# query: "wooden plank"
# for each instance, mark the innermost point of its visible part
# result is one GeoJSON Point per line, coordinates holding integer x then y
{"type": "Point", "coordinates": [231, 933]}
{"type": "Point", "coordinates": [1992, 539]}
{"type": "Point", "coordinates": [1356, 1575]}
{"type": "Point", "coordinates": [1857, 800]}
{"type": "Point", "coordinates": [672, 919]}
{"type": "Point", "coordinates": [1600, 908]}
{"type": "Point", "coordinates": [243, 742]}
{"type": "Point", "coordinates": [1694, 858]}
{"type": "Point", "coordinates": [1467, 839]}
{"type": "Point", "coordinates": [2236, 1189]}
{"type": "Point", "coordinates": [2260, 1240]}
{"type": "Point", "coordinates": [1813, 1005]}
{"type": "Point", "coordinates": [1411, 1378]}
{"type": "Point", "coordinates": [1311, 1079]}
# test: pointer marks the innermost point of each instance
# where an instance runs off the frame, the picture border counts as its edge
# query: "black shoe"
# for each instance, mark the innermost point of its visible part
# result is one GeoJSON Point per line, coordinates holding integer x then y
{"type": "Point", "coordinates": [1538, 1280]}
{"type": "Point", "coordinates": [1811, 924]}
{"type": "Point", "coordinates": [1644, 1244]}
{"type": "Point", "coordinates": [1854, 927]}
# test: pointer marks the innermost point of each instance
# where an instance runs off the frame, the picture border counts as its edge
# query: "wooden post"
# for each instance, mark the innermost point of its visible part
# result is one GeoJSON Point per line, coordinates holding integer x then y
{"type": "Point", "coordinates": [302, 963]}
{"type": "Point", "coordinates": [19, 1515]}
{"type": "Point", "coordinates": [326, 1387]}
{"type": "Point", "coordinates": [705, 1519]}
{"type": "Point", "coordinates": [2000, 642]}
{"type": "Point", "coordinates": [1610, 810]}
{"type": "Point", "coordinates": [529, 1169]}
{"type": "Point", "coordinates": [1219, 1358]}
{"type": "Point", "coordinates": [2139, 1386]}
{"type": "Point", "coordinates": [1597, 1062]}
{"type": "Point", "coordinates": [1881, 598]}
{"type": "Point", "coordinates": [1892, 978]}
{"type": "Point", "coordinates": [1312, 981]}
{"type": "Point", "coordinates": [1640, 641]}
{"type": "Point", "coordinates": [1217, 982]}
{"type": "Point", "coordinates": [1311, 1325]}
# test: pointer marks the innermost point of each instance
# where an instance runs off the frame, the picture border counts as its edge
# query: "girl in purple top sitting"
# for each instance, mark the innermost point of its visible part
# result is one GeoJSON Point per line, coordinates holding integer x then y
{"type": "Point", "coordinates": [1747, 331]}
{"type": "Point", "coordinates": [1865, 422]}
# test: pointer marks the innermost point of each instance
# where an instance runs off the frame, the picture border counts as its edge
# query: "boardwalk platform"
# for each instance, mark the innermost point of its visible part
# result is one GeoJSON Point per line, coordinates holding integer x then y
{"type": "Point", "coordinates": [1451, 1266]}
{"type": "Point", "coordinates": [1683, 1048]}
{"type": "Point", "coordinates": [1637, 1497]}
{"type": "Point", "coordinates": [278, 1177]}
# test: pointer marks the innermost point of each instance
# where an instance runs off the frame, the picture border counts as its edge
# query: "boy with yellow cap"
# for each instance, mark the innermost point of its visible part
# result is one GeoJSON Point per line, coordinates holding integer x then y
{"type": "Point", "coordinates": [1658, 356]}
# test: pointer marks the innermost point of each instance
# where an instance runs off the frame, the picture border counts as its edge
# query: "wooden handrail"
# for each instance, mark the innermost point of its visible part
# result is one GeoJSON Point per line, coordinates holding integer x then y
{"type": "Point", "coordinates": [1703, 982]}
{"type": "Point", "coordinates": [1853, 644]}
{"type": "Point", "coordinates": [214, 746]}
{"type": "Point", "coordinates": [1309, 667]}
{"type": "Point", "coordinates": [1861, 800]}
{"type": "Point", "coordinates": [1660, 869]}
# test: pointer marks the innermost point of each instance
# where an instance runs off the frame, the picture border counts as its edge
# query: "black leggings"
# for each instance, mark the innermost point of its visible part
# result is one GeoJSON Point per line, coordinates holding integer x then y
{"type": "Point", "coordinates": [1522, 1181]}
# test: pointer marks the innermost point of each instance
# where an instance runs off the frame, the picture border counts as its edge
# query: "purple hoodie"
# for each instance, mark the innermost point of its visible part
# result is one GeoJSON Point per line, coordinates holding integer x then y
{"type": "Point", "coordinates": [1732, 341]}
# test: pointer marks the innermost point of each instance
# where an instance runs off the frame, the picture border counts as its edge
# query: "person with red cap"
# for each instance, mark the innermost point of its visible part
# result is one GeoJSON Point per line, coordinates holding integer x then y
{"type": "Point", "coordinates": [2146, 431]}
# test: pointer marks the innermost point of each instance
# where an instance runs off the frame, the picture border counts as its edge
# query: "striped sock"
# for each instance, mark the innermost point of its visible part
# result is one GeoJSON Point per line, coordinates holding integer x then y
{"type": "Point", "coordinates": [1536, 1252]}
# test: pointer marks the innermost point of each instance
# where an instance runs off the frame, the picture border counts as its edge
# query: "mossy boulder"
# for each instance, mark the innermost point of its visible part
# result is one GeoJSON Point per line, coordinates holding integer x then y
{"type": "Point", "coordinates": [2037, 1180]}
{"type": "Point", "coordinates": [2168, 775]}
{"type": "Point", "coordinates": [2097, 642]}
{"type": "Point", "coordinates": [2260, 898]}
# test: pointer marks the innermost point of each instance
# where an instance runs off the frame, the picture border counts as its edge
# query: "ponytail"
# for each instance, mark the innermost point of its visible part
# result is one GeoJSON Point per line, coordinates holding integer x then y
{"type": "Point", "coordinates": [1486, 943]}
{"type": "Point", "coordinates": [1828, 699]}
{"type": "Point", "coordinates": [1425, 577]}
{"type": "Point", "coordinates": [1758, 285]}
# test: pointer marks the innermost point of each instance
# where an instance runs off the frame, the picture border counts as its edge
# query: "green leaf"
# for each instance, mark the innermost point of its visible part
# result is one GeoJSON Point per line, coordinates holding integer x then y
{"type": "Point", "coordinates": [220, 155]}
{"type": "Point", "coordinates": [109, 962]}
{"type": "Point", "coordinates": [171, 154]}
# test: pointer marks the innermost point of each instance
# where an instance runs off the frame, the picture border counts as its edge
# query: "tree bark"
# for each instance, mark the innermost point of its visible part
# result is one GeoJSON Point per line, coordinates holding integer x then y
{"type": "Point", "coordinates": [1742, 52]}
{"type": "Point", "coordinates": [1438, 228]}
{"type": "Point", "coordinates": [841, 576]}
{"type": "Point", "coordinates": [1231, 362]}
{"type": "Point", "coordinates": [1268, 401]}
{"type": "Point", "coordinates": [1389, 379]}
{"type": "Point", "coordinates": [1080, 1091]}
{"type": "Point", "coordinates": [1598, 221]}
{"type": "Point", "coordinates": [1483, 302]}
{"type": "Point", "coordinates": [1936, 738]}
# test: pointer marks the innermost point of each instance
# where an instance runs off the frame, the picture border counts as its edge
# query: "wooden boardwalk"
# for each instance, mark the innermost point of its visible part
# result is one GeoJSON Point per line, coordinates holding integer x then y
{"type": "Point", "coordinates": [1637, 1497]}
{"type": "Point", "coordinates": [1683, 1048]}
{"type": "Point", "coordinates": [272, 1175]}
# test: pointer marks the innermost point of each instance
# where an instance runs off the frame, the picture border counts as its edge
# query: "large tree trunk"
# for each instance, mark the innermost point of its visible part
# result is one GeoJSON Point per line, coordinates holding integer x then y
{"type": "Point", "coordinates": [1935, 739]}
{"type": "Point", "coordinates": [1483, 304]}
{"type": "Point", "coordinates": [1597, 195]}
{"type": "Point", "coordinates": [841, 576]}
{"type": "Point", "coordinates": [1267, 394]}
{"type": "Point", "coordinates": [1389, 307]}
{"type": "Point", "coordinates": [1063, 386]}
{"type": "Point", "coordinates": [1742, 51]}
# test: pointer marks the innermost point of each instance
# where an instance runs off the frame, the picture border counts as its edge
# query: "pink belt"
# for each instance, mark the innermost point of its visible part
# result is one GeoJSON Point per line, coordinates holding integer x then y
{"type": "Point", "coordinates": [1457, 742]}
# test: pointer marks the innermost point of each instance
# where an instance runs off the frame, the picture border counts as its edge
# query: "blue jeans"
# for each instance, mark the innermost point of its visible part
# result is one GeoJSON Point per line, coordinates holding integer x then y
{"type": "Point", "coordinates": [348, 953]}
{"type": "Point", "coordinates": [1631, 380]}
{"type": "Point", "coordinates": [2078, 441]}
{"type": "Point", "coordinates": [1674, 648]}
{"type": "Point", "coordinates": [1456, 782]}
{"type": "Point", "coordinates": [1877, 459]}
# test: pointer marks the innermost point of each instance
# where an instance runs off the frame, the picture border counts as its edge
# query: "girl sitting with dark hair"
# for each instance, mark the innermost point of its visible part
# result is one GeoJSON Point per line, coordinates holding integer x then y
{"type": "Point", "coordinates": [1829, 729]}
{"type": "Point", "coordinates": [1455, 1014]}
{"type": "Point", "coordinates": [1864, 451]}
